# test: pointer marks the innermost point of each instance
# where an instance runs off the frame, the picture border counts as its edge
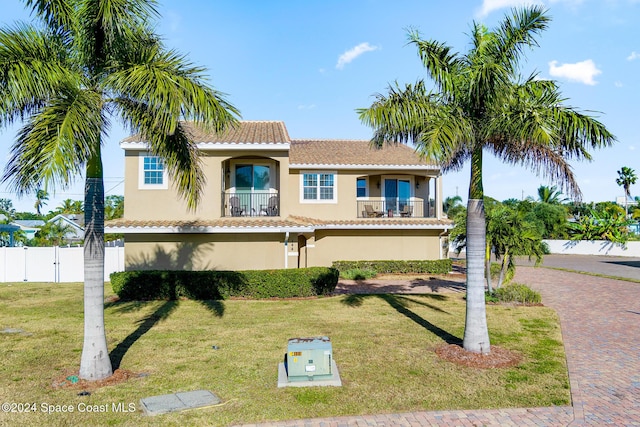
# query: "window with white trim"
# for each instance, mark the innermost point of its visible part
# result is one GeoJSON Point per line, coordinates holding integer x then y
{"type": "Point", "coordinates": [153, 174]}
{"type": "Point", "coordinates": [319, 187]}
{"type": "Point", "coordinates": [361, 187]}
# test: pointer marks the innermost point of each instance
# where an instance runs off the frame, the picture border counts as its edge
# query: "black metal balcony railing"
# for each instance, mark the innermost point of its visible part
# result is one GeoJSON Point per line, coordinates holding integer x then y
{"type": "Point", "coordinates": [395, 208]}
{"type": "Point", "coordinates": [250, 204]}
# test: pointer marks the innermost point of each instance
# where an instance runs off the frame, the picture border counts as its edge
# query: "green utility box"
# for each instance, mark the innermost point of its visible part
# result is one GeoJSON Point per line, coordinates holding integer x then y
{"type": "Point", "coordinates": [308, 358]}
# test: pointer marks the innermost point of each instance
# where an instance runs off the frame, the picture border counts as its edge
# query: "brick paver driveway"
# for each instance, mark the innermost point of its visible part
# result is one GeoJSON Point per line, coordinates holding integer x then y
{"type": "Point", "coordinates": [600, 321]}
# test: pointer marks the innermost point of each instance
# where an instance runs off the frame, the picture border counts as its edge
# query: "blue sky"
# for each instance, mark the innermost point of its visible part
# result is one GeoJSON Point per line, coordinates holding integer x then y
{"type": "Point", "coordinates": [312, 63]}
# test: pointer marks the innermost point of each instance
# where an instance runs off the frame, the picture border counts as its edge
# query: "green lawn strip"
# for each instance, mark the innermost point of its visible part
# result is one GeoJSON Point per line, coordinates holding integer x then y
{"type": "Point", "coordinates": [383, 345]}
{"type": "Point", "coordinates": [604, 276]}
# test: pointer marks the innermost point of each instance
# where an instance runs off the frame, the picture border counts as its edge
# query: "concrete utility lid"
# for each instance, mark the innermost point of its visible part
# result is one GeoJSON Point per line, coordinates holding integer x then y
{"type": "Point", "coordinates": [165, 403]}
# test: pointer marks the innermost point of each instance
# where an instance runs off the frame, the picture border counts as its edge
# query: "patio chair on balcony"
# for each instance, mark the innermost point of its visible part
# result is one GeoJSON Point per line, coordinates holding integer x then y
{"type": "Point", "coordinates": [406, 211]}
{"type": "Point", "coordinates": [272, 207]}
{"type": "Point", "coordinates": [369, 212]}
{"type": "Point", "coordinates": [234, 205]}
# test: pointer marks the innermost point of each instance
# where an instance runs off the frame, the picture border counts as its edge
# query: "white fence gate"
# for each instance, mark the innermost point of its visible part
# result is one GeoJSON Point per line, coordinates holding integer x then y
{"type": "Point", "coordinates": [52, 264]}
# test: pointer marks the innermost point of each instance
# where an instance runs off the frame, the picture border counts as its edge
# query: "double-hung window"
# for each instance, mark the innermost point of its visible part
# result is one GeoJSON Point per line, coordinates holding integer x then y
{"type": "Point", "coordinates": [152, 173]}
{"type": "Point", "coordinates": [319, 187]}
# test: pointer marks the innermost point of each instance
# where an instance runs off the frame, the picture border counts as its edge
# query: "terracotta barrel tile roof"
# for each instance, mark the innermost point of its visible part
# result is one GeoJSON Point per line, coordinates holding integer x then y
{"type": "Point", "coordinates": [352, 152]}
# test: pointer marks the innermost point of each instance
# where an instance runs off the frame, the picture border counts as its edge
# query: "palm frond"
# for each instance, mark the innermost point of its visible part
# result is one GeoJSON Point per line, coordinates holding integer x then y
{"type": "Point", "coordinates": [34, 66]}
{"type": "Point", "coordinates": [441, 63]}
{"type": "Point", "coordinates": [166, 82]}
{"type": "Point", "coordinates": [54, 145]}
{"type": "Point", "coordinates": [177, 149]}
{"type": "Point", "coordinates": [57, 14]}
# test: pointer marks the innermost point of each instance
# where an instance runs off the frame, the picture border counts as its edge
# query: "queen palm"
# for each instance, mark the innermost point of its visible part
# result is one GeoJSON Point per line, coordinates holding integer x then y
{"type": "Point", "coordinates": [82, 65]}
{"type": "Point", "coordinates": [626, 178]}
{"type": "Point", "coordinates": [478, 102]}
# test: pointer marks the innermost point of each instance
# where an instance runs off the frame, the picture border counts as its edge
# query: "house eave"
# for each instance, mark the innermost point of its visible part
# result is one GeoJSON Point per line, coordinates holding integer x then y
{"type": "Point", "coordinates": [217, 146]}
{"type": "Point", "coordinates": [364, 166]}
{"type": "Point", "coordinates": [205, 230]}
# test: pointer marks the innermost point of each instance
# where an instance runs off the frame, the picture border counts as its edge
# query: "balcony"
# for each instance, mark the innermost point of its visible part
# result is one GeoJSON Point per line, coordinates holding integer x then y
{"type": "Point", "coordinates": [395, 208]}
{"type": "Point", "coordinates": [250, 204]}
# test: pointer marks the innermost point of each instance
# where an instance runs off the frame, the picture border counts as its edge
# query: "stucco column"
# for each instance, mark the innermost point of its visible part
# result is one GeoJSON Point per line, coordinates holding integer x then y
{"type": "Point", "coordinates": [438, 196]}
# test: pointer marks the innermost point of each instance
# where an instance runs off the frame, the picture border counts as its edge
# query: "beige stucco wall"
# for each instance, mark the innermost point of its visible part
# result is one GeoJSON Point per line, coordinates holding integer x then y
{"type": "Point", "coordinates": [205, 251]}
{"type": "Point", "coordinates": [158, 204]}
{"type": "Point", "coordinates": [346, 184]}
{"type": "Point", "coordinates": [353, 245]}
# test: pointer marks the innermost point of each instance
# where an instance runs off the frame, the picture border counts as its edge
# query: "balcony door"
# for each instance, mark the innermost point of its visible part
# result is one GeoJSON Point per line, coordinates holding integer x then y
{"type": "Point", "coordinates": [397, 193]}
{"type": "Point", "coordinates": [252, 184]}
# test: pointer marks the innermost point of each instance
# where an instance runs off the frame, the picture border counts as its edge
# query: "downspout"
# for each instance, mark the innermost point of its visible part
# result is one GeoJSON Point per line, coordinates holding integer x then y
{"type": "Point", "coordinates": [286, 250]}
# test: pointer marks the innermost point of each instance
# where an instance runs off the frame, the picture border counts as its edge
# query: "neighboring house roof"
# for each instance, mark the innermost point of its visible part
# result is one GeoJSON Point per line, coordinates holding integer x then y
{"type": "Point", "coordinates": [267, 225]}
{"type": "Point", "coordinates": [358, 153]}
{"type": "Point", "coordinates": [75, 221]}
{"type": "Point", "coordinates": [246, 132]}
{"type": "Point", "coordinates": [29, 223]}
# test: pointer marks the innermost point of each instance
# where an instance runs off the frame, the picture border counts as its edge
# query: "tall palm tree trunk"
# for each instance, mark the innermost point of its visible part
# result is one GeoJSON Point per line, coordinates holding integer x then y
{"type": "Point", "coordinates": [95, 363]}
{"type": "Point", "coordinates": [476, 333]}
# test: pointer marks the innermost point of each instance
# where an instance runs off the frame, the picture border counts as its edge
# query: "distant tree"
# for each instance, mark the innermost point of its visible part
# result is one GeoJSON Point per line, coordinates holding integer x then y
{"type": "Point", "coordinates": [452, 205]}
{"type": "Point", "coordinates": [626, 178]}
{"type": "Point", "coordinates": [550, 195]}
{"type": "Point", "coordinates": [69, 206]}
{"type": "Point", "coordinates": [6, 208]}
{"type": "Point", "coordinates": [52, 234]}
{"type": "Point", "coordinates": [605, 224]}
{"type": "Point", "coordinates": [41, 197]}
{"type": "Point", "coordinates": [113, 207]}
{"type": "Point", "coordinates": [554, 218]}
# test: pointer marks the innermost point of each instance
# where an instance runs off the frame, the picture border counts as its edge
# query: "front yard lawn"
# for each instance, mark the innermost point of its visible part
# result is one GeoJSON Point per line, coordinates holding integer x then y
{"type": "Point", "coordinates": [384, 346]}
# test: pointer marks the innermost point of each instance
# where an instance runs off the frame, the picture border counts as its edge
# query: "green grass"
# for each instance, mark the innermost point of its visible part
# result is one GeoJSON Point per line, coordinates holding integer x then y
{"type": "Point", "coordinates": [383, 345]}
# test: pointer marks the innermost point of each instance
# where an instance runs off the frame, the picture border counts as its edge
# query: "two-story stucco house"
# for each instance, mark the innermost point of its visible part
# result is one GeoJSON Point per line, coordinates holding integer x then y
{"type": "Point", "coordinates": [273, 202]}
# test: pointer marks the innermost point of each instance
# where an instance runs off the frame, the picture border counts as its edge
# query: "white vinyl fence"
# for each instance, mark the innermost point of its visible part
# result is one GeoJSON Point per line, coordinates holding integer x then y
{"type": "Point", "coordinates": [593, 247]}
{"type": "Point", "coordinates": [52, 264]}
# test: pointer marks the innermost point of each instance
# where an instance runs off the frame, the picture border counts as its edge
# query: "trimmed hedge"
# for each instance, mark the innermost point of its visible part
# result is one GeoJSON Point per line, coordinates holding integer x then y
{"type": "Point", "coordinates": [216, 285]}
{"type": "Point", "coordinates": [438, 266]}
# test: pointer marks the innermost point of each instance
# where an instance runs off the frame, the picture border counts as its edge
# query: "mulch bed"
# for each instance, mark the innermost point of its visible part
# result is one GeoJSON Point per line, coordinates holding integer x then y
{"type": "Point", "coordinates": [70, 380]}
{"type": "Point", "coordinates": [497, 358]}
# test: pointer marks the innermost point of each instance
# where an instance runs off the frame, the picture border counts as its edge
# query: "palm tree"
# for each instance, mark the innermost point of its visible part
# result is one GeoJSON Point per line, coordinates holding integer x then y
{"type": "Point", "coordinates": [626, 178]}
{"type": "Point", "coordinates": [85, 63]}
{"type": "Point", "coordinates": [550, 195]}
{"type": "Point", "coordinates": [479, 103]}
{"type": "Point", "coordinates": [452, 205]}
{"type": "Point", "coordinates": [41, 197]}
{"type": "Point", "coordinates": [70, 206]}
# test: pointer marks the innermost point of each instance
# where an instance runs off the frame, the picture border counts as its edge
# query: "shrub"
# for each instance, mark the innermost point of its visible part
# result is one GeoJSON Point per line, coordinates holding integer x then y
{"type": "Point", "coordinates": [203, 285]}
{"type": "Point", "coordinates": [357, 274]}
{"type": "Point", "coordinates": [495, 273]}
{"type": "Point", "coordinates": [519, 293]}
{"type": "Point", "coordinates": [439, 266]}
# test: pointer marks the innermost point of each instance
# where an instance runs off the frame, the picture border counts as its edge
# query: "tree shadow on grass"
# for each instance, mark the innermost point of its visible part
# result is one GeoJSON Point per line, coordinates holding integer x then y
{"type": "Point", "coordinates": [400, 303]}
{"type": "Point", "coordinates": [145, 324]}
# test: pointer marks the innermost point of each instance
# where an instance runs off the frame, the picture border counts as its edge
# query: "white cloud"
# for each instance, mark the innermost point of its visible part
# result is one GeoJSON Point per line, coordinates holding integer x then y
{"type": "Point", "coordinates": [489, 6]}
{"type": "Point", "coordinates": [618, 84]}
{"type": "Point", "coordinates": [634, 55]}
{"type": "Point", "coordinates": [353, 53]}
{"type": "Point", "coordinates": [581, 72]}
{"type": "Point", "coordinates": [306, 107]}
